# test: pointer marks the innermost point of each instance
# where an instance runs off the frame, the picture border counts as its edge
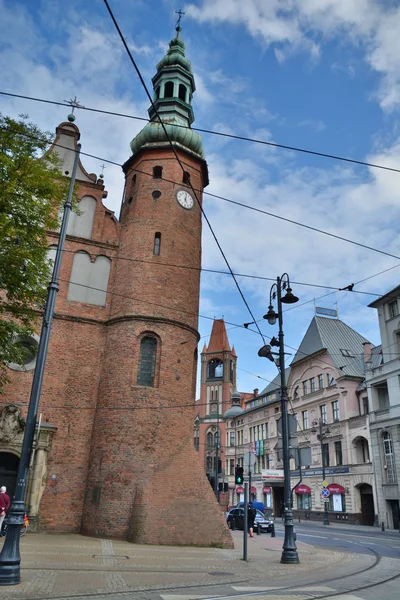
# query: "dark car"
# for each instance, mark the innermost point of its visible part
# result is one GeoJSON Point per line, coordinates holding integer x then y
{"type": "Point", "coordinates": [235, 520]}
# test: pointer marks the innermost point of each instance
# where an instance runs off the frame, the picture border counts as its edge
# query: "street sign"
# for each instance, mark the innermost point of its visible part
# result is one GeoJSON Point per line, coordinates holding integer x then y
{"type": "Point", "coordinates": [249, 462]}
{"type": "Point", "coordinates": [326, 499]}
{"type": "Point", "coordinates": [292, 424]}
{"type": "Point", "coordinates": [325, 493]}
{"type": "Point", "coordinates": [325, 483]}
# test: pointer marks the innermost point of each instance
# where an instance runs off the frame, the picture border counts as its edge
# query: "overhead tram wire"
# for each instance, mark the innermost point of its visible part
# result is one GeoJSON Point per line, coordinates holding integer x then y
{"type": "Point", "coordinates": [217, 133]}
{"type": "Point", "coordinates": [178, 160]}
{"type": "Point", "coordinates": [273, 215]}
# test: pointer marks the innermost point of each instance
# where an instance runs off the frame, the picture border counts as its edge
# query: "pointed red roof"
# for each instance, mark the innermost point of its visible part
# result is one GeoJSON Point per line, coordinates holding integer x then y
{"type": "Point", "coordinates": [218, 339]}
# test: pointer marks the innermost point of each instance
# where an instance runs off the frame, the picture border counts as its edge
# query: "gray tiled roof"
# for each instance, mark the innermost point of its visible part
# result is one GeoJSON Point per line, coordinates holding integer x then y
{"type": "Point", "coordinates": [334, 336]}
{"type": "Point", "coordinates": [376, 357]}
{"type": "Point", "coordinates": [275, 384]}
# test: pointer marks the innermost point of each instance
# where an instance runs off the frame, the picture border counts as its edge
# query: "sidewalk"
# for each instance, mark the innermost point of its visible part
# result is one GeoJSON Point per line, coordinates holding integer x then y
{"type": "Point", "coordinates": [56, 566]}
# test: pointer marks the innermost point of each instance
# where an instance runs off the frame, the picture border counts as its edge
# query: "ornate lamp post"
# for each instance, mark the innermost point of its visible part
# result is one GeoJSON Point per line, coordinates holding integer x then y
{"type": "Point", "coordinates": [289, 554]}
{"type": "Point", "coordinates": [322, 429]}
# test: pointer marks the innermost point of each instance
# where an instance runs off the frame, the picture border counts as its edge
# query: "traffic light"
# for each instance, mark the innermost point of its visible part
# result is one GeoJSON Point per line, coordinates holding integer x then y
{"type": "Point", "coordinates": [239, 475]}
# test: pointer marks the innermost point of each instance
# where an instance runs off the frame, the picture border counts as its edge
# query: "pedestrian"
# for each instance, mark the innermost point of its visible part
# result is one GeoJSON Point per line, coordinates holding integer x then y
{"type": "Point", "coordinates": [4, 505]}
{"type": "Point", "coordinates": [251, 515]}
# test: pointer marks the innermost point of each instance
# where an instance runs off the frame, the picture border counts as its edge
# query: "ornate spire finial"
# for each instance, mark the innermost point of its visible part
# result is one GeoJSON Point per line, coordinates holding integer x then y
{"type": "Point", "coordinates": [102, 171]}
{"type": "Point", "coordinates": [178, 23]}
{"type": "Point", "coordinates": [74, 104]}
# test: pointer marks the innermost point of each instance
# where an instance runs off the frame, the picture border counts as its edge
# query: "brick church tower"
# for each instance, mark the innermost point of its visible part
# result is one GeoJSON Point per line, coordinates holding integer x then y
{"type": "Point", "coordinates": [114, 452]}
{"type": "Point", "coordinates": [218, 381]}
{"type": "Point", "coordinates": [145, 481]}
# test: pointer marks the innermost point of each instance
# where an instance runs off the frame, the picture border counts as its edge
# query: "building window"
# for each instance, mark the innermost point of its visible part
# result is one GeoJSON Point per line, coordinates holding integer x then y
{"type": "Point", "coordinates": [365, 405]}
{"type": "Point", "coordinates": [393, 309]}
{"type": "Point", "coordinates": [347, 353]}
{"type": "Point", "coordinates": [322, 410]}
{"type": "Point", "coordinates": [312, 384]}
{"type": "Point", "coordinates": [325, 455]}
{"type": "Point", "coordinates": [335, 411]}
{"type": "Point", "coordinates": [331, 380]}
{"type": "Point", "coordinates": [304, 501]}
{"type": "Point", "coordinates": [169, 89]}
{"type": "Point", "coordinates": [321, 382]}
{"type": "Point", "coordinates": [209, 464]}
{"type": "Point", "coordinates": [231, 371]}
{"type": "Point", "coordinates": [196, 439]}
{"type": "Point", "coordinates": [186, 178]}
{"type": "Point", "coordinates": [182, 92]}
{"type": "Point", "coordinates": [305, 419]}
{"type": "Point", "coordinates": [147, 361]}
{"type": "Point", "coordinates": [157, 172]}
{"type": "Point", "coordinates": [232, 438]}
{"type": "Point", "coordinates": [157, 244]}
{"type": "Point", "coordinates": [215, 368]}
{"type": "Point", "coordinates": [296, 393]}
{"type": "Point", "coordinates": [210, 441]}
{"type": "Point", "coordinates": [338, 453]}
{"type": "Point", "coordinates": [305, 388]}
{"type": "Point", "coordinates": [389, 458]}
{"type": "Point", "coordinates": [337, 503]}
{"type": "Point", "coordinates": [382, 394]}
{"type": "Point", "coordinates": [231, 466]}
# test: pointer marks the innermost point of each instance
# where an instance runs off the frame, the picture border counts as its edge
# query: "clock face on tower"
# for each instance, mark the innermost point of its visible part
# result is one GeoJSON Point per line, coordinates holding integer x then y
{"type": "Point", "coordinates": [184, 199]}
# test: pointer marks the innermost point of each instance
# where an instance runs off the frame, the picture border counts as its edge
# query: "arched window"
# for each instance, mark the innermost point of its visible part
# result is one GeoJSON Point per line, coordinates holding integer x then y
{"type": "Point", "coordinates": [231, 371]}
{"type": "Point", "coordinates": [209, 464]}
{"type": "Point", "coordinates": [197, 439]}
{"type": "Point", "coordinates": [182, 92]}
{"type": "Point", "coordinates": [186, 178]}
{"type": "Point", "coordinates": [210, 441]}
{"type": "Point", "coordinates": [157, 172]}
{"type": "Point", "coordinates": [157, 244]}
{"type": "Point", "coordinates": [215, 368]}
{"type": "Point", "coordinates": [389, 458]}
{"type": "Point", "coordinates": [134, 180]}
{"type": "Point", "coordinates": [157, 92]}
{"type": "Point", "coordinates": [169, 89]}
{"type": "Point", "coordinates": [147, 361]}
{"type": "Point", "coordinates": [89, 281]}
{"type": "Point", "coordinates": [81, 225]}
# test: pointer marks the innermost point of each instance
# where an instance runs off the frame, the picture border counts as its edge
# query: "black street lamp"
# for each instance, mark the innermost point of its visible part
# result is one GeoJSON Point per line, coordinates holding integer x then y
{"type": "Point", "coordinates": [320, 427]}
{"type": "Point", "coordinates": [289, 554]}
{"type": "Point", "coordinates": [10, 558]}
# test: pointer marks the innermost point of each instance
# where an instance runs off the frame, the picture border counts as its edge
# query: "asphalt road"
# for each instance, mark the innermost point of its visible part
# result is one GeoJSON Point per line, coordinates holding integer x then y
{"type": "Point", "coordinates": [366, 540]}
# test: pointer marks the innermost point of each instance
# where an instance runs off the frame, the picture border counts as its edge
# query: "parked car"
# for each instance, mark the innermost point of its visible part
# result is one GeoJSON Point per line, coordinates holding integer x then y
{"type": "Point", "coordinates": [235, 520]}
{"type": "Point", "coordinates": [257, 505]}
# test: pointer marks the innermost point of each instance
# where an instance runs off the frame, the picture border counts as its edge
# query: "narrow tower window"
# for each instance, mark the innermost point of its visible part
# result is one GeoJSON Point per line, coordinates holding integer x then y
{"type": "Point", "coordinates": [134, 180]}
{"type": "Point", "coordinates": [157, 172]}
{"type": "Point", "coordinates": [158, 92]}
{"type": "Point", "coordinates": [186, 177]}
{"type": "Point", "coordinates": [147, 361]}
{"type": "Point", "coordinates": [169, 89]}
{"type": "Point", "coordinates": [157, 244]}
{"type": "Point", "coordinates": [182, 92]}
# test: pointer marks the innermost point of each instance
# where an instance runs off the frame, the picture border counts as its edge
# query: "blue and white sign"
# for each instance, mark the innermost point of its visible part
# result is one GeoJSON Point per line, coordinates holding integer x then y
{"type": "Point", "coordinates": [325, 493]}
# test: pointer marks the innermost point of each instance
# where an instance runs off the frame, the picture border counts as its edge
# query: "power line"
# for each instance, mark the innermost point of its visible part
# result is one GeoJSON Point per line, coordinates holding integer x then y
{"type": "Point", "coordinates": [223, 198]}
{"type": "Point", "coordinates": [216, 133]}
{"type": "Point", "coordinates": [178, 160]}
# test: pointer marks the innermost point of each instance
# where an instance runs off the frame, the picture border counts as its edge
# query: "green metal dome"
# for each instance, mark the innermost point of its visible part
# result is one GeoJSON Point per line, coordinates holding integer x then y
{"type": "Point", "coordinates": [153, 134]}
{"type": "Point", "coordinates": [175, 56]}
{"type": "Point", "coordinates": [173, 86]}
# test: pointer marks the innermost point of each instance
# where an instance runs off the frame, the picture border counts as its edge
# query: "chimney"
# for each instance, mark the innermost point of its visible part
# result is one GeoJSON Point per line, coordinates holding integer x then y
{"type": "Point", "coordinates": [255, 392]}
{"type": "Point", "coordinates": [367, 352]}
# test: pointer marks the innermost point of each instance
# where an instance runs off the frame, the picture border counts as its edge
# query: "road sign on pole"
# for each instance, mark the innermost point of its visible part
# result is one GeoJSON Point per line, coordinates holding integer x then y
{"type": "Point", "coordinates": [325, 493]}
{"type": "Point", "coordinates": [325, 483]}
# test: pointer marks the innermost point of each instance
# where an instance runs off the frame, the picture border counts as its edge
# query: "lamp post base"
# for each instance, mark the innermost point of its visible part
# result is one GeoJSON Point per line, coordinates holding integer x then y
{"type": "Point", "coordinates": [290, 557]}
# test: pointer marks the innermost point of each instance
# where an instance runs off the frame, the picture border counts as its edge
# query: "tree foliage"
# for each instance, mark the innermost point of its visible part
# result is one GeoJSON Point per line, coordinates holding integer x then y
{"type": "Point", "coordinates": [32, 191]}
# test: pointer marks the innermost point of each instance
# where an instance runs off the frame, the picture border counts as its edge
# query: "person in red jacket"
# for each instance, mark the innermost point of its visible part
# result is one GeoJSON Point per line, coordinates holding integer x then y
{"type": "Point", "coordinates": [4, 504]}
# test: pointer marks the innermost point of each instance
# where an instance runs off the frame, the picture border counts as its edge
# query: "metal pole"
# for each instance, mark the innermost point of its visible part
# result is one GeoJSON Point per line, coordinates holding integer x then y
{"type": "Point", "coordinates": [289, 554]}
{"type": "Point", "coordinates": [245, 524]}
{"type": "Point", "coordinates": [217, 458]}
{"type": "Point", "coordinates": [321, 436]}
{"type": "Point", "coordinates": [10, 558]}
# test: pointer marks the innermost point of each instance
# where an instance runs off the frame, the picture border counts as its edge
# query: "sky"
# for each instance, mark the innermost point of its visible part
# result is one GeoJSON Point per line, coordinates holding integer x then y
{"type": "Point", "coordinates": [322, 75]}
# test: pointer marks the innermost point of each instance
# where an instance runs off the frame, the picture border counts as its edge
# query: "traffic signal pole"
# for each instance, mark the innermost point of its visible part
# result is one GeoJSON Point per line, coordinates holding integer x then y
{"type": "Point", "coordinates": [245, 523]}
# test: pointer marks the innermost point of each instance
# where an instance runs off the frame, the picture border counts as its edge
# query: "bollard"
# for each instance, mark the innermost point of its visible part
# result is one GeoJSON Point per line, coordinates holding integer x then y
{"type": "Point", "coordinates": [273, 530]}
{"type": "Point", "coordinates": [258, 529]}
{"type": "Point", "coordinates": [383, 526]}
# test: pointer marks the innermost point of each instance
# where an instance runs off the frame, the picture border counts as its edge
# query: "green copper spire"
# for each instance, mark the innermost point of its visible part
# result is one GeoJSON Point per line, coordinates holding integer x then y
{"type": "Point", "coordinates": [173, 86]}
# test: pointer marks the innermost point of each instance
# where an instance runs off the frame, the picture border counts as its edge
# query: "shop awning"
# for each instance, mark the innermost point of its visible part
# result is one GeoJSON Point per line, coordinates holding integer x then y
{"type": "Point", "coordinates": [240, 490]}
{"type": "Point", "coordinates": [302, 489]}
{"type": "Point", "coordinates": [266, 489]}
{"type": "Point", "coordinates": [253, 490]}
{"type": "Point", "coordinates": [335, 488]}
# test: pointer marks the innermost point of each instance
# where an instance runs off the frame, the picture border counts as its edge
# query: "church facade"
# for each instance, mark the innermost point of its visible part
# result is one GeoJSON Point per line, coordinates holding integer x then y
{"type": "Point", "coordinates": [114, 447]}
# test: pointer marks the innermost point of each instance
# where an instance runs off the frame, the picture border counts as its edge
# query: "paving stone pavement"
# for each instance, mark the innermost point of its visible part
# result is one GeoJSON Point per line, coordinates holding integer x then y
{"type": "Point", "coordinates": [71, 565]}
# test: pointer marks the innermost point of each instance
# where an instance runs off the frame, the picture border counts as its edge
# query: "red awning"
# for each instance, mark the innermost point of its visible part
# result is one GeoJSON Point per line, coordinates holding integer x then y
{"type": "Point", "coordinates": [266, 489]}
{"type": "Point", "coordinates": [335, 488]}
{"type": "Point", "coordinates": [253, 490]}
{"type": "Point", "coordinates": [240, 490]}
{"type": "Point", "coordinates": [302, 489]}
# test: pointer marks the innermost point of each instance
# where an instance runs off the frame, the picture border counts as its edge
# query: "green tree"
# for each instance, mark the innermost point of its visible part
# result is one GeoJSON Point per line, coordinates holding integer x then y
{"type": "Point", "coordinates": [32, 190]}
